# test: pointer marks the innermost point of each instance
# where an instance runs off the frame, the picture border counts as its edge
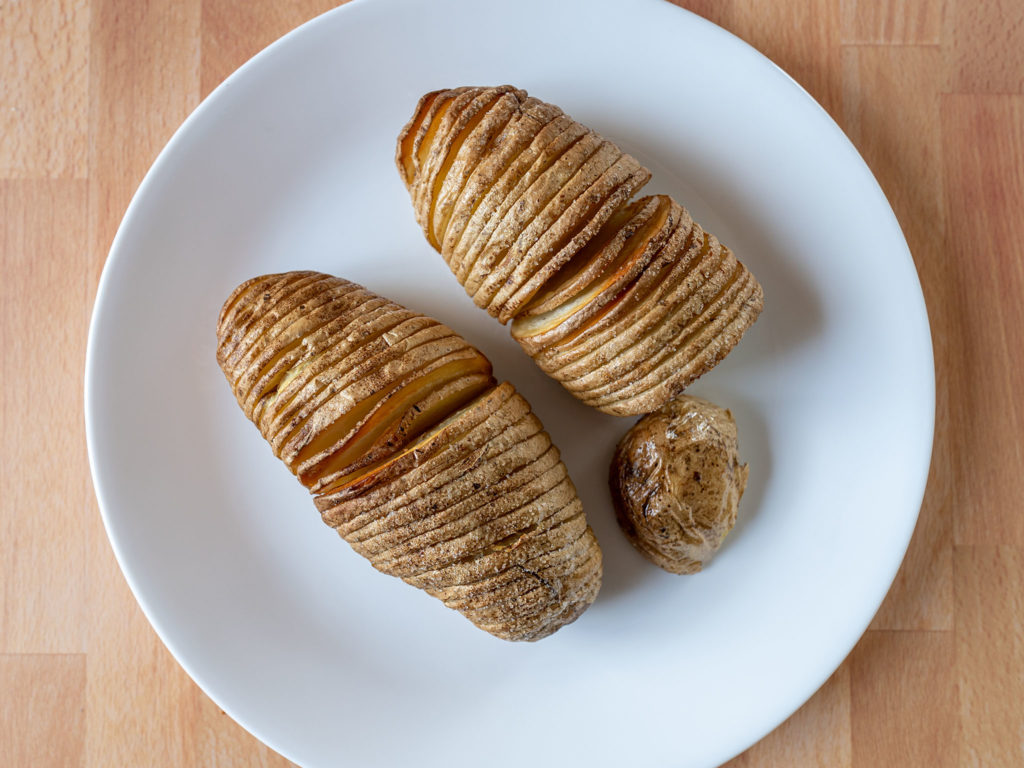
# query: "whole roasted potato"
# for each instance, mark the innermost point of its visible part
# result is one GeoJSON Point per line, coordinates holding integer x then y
{"type": "Point", "coordinates": [624, 303]}
{"type": "Point", "coordinates": [676, 483]}
{"type": "Point", "coordinates": [415, 455]}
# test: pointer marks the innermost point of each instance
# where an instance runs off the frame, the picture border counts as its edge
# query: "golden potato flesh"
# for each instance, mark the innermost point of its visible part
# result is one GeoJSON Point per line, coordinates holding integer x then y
{"type": "Point", "coordinates": [676, 482]}
{"type": "Point", "coordinates": [624, 303]}
{"type": "Point", "coordinates": [415, 455]}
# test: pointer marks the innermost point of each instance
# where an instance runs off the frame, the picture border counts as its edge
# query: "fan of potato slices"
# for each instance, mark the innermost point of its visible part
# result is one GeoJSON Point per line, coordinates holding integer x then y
{"type": "Point", "coordinates": [422, 462]}
{"type": "Point", "coordinates": [625, 303]}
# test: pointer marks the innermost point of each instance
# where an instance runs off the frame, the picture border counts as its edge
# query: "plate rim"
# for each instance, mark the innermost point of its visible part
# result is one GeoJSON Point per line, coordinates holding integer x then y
{"type": "Point", "coordinates": [116, 254]}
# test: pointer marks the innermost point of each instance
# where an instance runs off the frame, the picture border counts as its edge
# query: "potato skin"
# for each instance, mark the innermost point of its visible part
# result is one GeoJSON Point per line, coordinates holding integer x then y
{"type": "Point", "coordinates": [676, 483]}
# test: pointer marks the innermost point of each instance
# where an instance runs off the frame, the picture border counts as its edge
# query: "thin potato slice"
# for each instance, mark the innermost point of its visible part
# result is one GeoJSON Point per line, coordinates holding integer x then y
{"type": "Point", "coordinates": [331, 344]}
{"type": "Point", "coordinates": [346, 412]}
{"type": "Point", "coordinates": [465, 121]}
{"type": "Point", "coordinates": [430, 138]}
{"type": "Point", "coordinates": [375, 440]}
{"type": "Point", "coordinates": [400, 496]}
{"type": "Point", "coordinates": [564, 521]}
{"type": "Point", "coordinates": [469, 147]}
{"type": "Point", "coordinates": [432, 500]}
{"type": "Point", "coordinates": [551, 221]}
{"type": "Point", "coordinates": [405, 152]}
{"type": "Point", "coordinates": [353, 350]}
{"type": "Point", "coordinates": [360, 389]}
{"type": "Point", "coordinates": [507, 515]}
{"type": "Point", "coordinates": [675, 339]}
{"type": "Point", "coordinates": [243, 307]}
{"type": "Point", "coordinates": [281, 349]}
{"type": "Point", "coordinates": [711, 303]}
{"type": "Point", "coordinates": [233, 349]}
{"type": "Point", "coordinates": [512, 453]}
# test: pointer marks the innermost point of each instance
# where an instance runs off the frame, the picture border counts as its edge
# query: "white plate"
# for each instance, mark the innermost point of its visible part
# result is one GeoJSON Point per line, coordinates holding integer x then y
{"type": "Point", "coordinates": [288, 165]}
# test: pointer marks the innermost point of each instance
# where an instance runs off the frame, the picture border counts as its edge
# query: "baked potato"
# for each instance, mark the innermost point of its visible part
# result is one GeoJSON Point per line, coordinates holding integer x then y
{"type": "Point", "coordinates": [625, 303]}
{"type": "Point", "coordinates": [419, 459]}
{"type": "Point", "coordinates": [676, 482]}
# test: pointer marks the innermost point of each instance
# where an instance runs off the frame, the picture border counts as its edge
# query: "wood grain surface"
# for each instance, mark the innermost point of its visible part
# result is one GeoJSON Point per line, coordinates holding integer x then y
{"type": "Point", "coordinates": [930, 91]}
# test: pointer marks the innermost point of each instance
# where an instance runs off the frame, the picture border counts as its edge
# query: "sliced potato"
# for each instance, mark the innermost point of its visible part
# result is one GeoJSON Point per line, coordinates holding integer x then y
{"type": "Point", "coordinates": [710, 306]}
{"type": "Point", "coordinates": [482, 528]}
{"type": "Point", "coordinates": [469, 147]}
{"type": "Point", "coordinates": [562, 527]}
{"type": "Point", "coordinates": [460, 513]}
{"type": "Point", "coordinates": [244, 337]}
{"type": "Point", "coordinates": [440, 449]}
{"type": "Point", "coordinates": [436, 493]}
{"type": "Point", "coordinates": [413, 452]}
{"type": "Point", "coordinates": [547, 210]}
{"type": "Point", "coordinates": [440, 177]}
{"type": "Point", "coordinates": [339, 345]}
{"type": "Point", "coordinates": [611, 333]}
{"type": "Point", "coordinates": [358, 392]}
{"type": "Point", "coordinates": [411, 136]}
{"type": "Point", "coordinates": [535, 221]}
{"type": "Point", "coordinates": [638, 306]}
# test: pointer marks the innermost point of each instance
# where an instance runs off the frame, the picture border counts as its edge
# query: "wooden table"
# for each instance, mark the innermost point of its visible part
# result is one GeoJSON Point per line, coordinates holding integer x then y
{"type": "Point", "coordinates": [931, 93]}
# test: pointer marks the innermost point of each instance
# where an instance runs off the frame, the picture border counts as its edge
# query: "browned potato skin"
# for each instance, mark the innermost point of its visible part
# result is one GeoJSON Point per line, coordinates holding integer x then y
{"type": "Point", "coordinates": [513, 193]}
{"type": "Point", "coordinates": [414, 454]}
{"type": "Point", "coordinates": [676, 483]}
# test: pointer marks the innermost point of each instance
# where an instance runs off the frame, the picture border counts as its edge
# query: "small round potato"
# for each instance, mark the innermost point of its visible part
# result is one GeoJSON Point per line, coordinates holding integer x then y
{"type": "Point", "coordinates": [676, 482]}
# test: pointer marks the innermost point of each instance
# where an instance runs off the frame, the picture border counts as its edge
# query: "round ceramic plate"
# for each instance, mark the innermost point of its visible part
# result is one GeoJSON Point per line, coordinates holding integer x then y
{"type": "Point", "coordinates": [288, 165]}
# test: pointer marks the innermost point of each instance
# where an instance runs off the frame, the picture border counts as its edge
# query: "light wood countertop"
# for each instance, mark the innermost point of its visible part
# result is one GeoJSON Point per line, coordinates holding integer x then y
{"type": "Point", "coordinates": [930, 91]}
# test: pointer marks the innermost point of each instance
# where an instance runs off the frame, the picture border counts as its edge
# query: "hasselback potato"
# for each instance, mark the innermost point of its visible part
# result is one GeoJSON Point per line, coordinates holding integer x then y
{"type": "Point", "coordinates": [422, 462]}
{"type": "Point", "coordinates": [625, 303]}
